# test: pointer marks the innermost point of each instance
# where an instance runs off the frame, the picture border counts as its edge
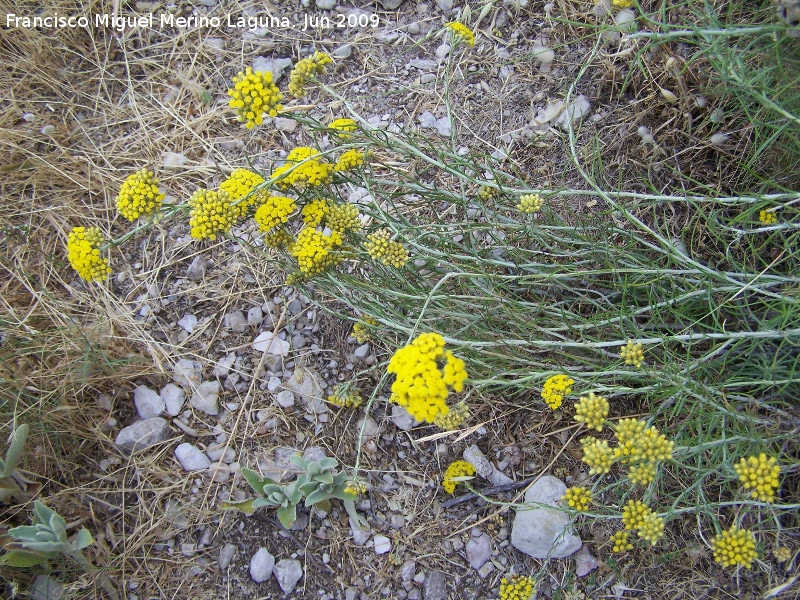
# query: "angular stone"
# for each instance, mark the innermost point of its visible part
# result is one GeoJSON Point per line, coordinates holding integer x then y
{"type": "Point", "coordinates": [235, 321]}
{"type": "Point", "coordinates": [188, 322]}
{"type": "Point", "coordinates": [187, 372]}
{"type": "Point", "coordinates": [402, 418]}
{"type": "Point", "coordinates": [435, 586]}
{"type": "Point", "coordinates": [173, 397]}
{"type": "Point", "coordinates": [381, 544]}
{"type": "Point", "coordinates": [285, 399]}
{"type": "Point", "coordinates": [288, 572]}
{"type": "Point", "coordinates": [206, 397]}
{"type": "Point", "coordinates": [305, 385]}
{"type": "Point", "coordinates": [261, 565]}
{"type": "Point", "coordinates": [143, 434]}
{"type": "Point", "coordinates": [196, 270]}
{"type": "Point", "coordinates": [191, 457]}
{"type": "Point", "coordinates": [148, 403]}
{"type": "Point", "coordinates": [479, 550]}
{"type": "Point", "coordinates": [265, 342]}
{"type": "Point", "coordinates": [226, 556]}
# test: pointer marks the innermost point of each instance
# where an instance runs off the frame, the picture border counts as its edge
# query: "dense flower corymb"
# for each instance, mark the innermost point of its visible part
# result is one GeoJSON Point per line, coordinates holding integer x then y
{"type": "Point", "coordinates": [530, 203]}
{"type": "Point", "coordinates": [637, 442]}
{"type": "Point", "coordinates": [240, 186]}
{"type": "Point", "coordinates": [768, 217]}
{"type": "Point", "coordinates": [303, 169]}
{"type": "Point", "coordinates": [760, 474]}
{"type": "Point", "coordinates": [637, 516]}
{"type": "Point", "coordinates": [343, 218]}
{"type": "Point", "coordinates": [139, 196]}
{"type": "Point", "coordinates": [274, 211]}
{"type": "Point", "coordinates": [389, 252]}
{"type": "Point", "coordinates": [83, 252]}
{"type": "Point", "coordinates": [361, 331]}
{"type": "Point", "coordinates": [313, 250]}
{"type": "Point", "coordinates": [598, 455]}
{"type": "Point", "coordinates": [592, 411]}
{"type": "Point", "coordinates": [555, 389]}
{"type": "Point", "coordinates": [343, 127]}
{"type": "Point", "coordinates": [254, 95]}
{"type": "Point", "coordinates": [210, 214]}
{"type": "Point", "coordinates": [456, 417]}
{"type": "Point", "coordinates": [422, 385]}
{"type": "Point", "coordinates": [516, 587]}
{"type": "Point", "coordinates": [734, 547]}
{"type": "Point", "coordinates": [578, 498]}
{"type": "Point", "coordinates": [461, 33]}
{"type": "Point", "coordinates": [345, 396]}
{"type": "Point", "coordinates": [349, 160]}
{"type": "Point", "coordinates": [459, 468]}
{"type": "Point", "coordinates": [621, 541]}
{"type": "Point", "coordinates": [632, 354]}
{"type": "Point", "coordinates": [305, 70]}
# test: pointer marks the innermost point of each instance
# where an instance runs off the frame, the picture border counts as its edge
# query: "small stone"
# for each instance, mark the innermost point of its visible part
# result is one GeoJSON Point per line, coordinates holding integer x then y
{"type": "Point", "coordinates": [46, 588]}
{"type": "Point", "coordinates": [216, 44]}
{"type": "Point", "coordinates": [295, 307]}
{"type": "Point", "coordinates": [223, 366]}
{"type": "Point", "coordinates": [443, 126]}
{"type": "Point", "coordinates": [187, 373]}
{"type": "Point", "coordinates": [173, 160]}
{"type": "Point", "coordinates": [105, 401]}
{"type": "Point", "coordinates": [427, 78]}
{"type": "Point", "coordinates": [226, 556]}
{"type": "Point", "coordinates": [367, 428]}
{"type": "Point", "coordinates": [285, 399]}
{"type": "Point", "coordinates": [196, 270]}
{"type": "Point", "coordinates": [273, 384]}
{"type": "Point", "coordinates": [219, 472]}
{"type": "Point", "coordinates": [255, 316]}
{"type": "Point", "coordinates": [298, 342]}
{"type": "Point", "coordinates": [413, 28]}
{"type": "Point", "coordinates": [206, 397]}
{"type": "Point", "coordinates": [445, 6]}
{"type": "Point", "coordinates": [188, 322]}
{"type": "Point", "coordinates": [361, 352]}
{"type": "Point", "coordinates": [143, 434]}
{"type": "Point", "coordinates": [262, 565]}
{"type": "Point", "coordinates": [188, 549]}
{"type": "Point", "coordinates": [288, 572]}
{"type": "Point", "coordinates": [236, 321]}
{"type": "Point", "coordinates": [408, 570]}
{"type": "Point", "coordinates": [148, 403]}
{"type": "Point", "coordinates": [381, 544]}
{"type": "Point", "coordinates": [402, 418]}
{"type": "Point", "coordinates": [360, 534]}
{"type": "Point", "coordinates": [325, 4]}
{"type": "Point", "coordinates": [305, 383]}
{"type": "Point", "coordinates": [173, 397]}
{"type": "Point", "coordinates": [485, 570]}
{"type": "Point", "coordinates": [479, 550]}
{"type": "Point", "coordinates": [442, 51]}
{"type": "Point", "coordinates": [435, 586]}
{"type": "Point", "coordinates": [343, 51]}
{"type": "Point", "coordinates": [191, 457]}
{"type": "Point", "coordinates": [276, 66]}
{"type": "Point", "coordinates": [351, 594]}
{"type": "Point", "coordinates": [391, 4]}
{"type": "Point", "coordinates": [266, 342]}
{"type": "Point", "coordinates": [585, 563]}
{"type": "Point", "coordinates": [285, 125]}
{"type": "Point", "coordinates": [484, 467]}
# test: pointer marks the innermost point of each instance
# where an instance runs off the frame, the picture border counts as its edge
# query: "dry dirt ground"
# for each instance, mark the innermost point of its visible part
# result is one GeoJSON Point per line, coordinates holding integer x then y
{"type": "Point", "coordinates": [83, 109]}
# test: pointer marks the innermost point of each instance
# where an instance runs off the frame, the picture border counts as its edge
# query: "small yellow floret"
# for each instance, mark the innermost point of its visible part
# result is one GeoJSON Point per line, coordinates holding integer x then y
{"type": "Point", "coordinates": [254, 95]}
{"type": "Point", "coordinates": [578, 498]}
{"type": "Point", "coordinates": [343, 218]}
{"type": "Point", "coordinates": [530, 203]}
{"type": "Point", "coordinates": [621, 541]}
{"type": "Point", "coordinates": [83, 252]}
{"type": "Point", "coordinates": [768, 217]}
{"type": "Point", "coordinates": [461, 33]}
{"type": "Point", "coordinates": [275, 211]}
{"type": "Point", "coordinates": [390, 253]}
{"type": "Point", "coordinates": [241, 189]}
{"type": "Point", "coordinates": [210, 214]}
{"type": "Point", "coordinates": [314, 212]}
{"type": "Point", "coordinates": [459, 468]}
{"type": "Point", "coordinates": [343, 127]}
{"type": "Point", "coordinates": [734, 547]}
{"type": "Point", "coordinates": [361, 331]}
{"type": "Point", "coordinates": [345, 396]}
{"type": "Point", "coordinates": [592, 411]}
{"type": "Point", "coordinates": [632, 354]}
{"type": "Point", "coordinates": [305, 70]}
{"type": "Point", "coordinates": [555, 389]}
{"type": "Point", "coordinates": [598, 455]}
{"type": "Point", "coordinates": [516, 587]}
{"type": "Point", "coordinates": [760, 474]}
{"type": "Point", "coordinates": [139, 196]}
{"type": "Point", "coordinates": [456, 417]}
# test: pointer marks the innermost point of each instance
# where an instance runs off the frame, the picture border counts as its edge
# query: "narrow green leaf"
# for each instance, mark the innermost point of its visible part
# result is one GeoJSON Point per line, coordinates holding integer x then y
{"type": "Point", "coordinates": [246, 506]}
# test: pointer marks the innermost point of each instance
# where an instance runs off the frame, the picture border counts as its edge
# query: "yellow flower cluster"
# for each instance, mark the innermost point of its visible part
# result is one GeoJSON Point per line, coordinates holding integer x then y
{"type": "Point", "coordinates": [302, 169]}
{"type": "Point", "coordinates": [760, 474]}
{"type": "Point", "coordinates": [734, 547]}
{"type": "Point", "coordinates": [343, 127]}
{"type": "Point", "coordinates": [555, 389]}
{"type": "Point", "coordinates": [343, 218]}
{"type": "Point", "coordinates": [592, 411]}
{"type": "Point", "coordinates": [782, 554]}
{"type": "Point", "coordinates": [637, 516]}
{"type": "Point", "coordinates": [768, 217]}
{"type": "Point", "coordinates": [361, 332]}
{"type": "Point", "coordinates": [639, 442]}
{"type": "Point", "coordinates": [313, 250]}
{"type": "Point", "coordinates": [278, 238]}
{"type": "Point", "coordinates": [516, 587]}
{"type": "Point", "coordinates": [390, 253]}
{"type": "Point", "coordinates": [487, 193]}
{"type": "Point", "coordinates": [642, 473]}
{"type": "Point", "coordinates": [621, 541]}
{"type": "Point", "coordinates": [422, 386]}
{"type": "Point", "coordinates": [598, 455]}
{"type": "Point", "coordinates": [578, 498]}
{"type": "Point", "coordinates": [530, 203]}
{"type": "Point", "coordinates": [461, 33]}
{"type": "Point", "coordinates": [621, 3]}
{"type": "Point", "coordinates": [275, 211]}
{"type": "Point", "coordinates": [456, 417]}
{"type": "Point", "coordinates": [314, 212]}
{"type": "Point", "coordinates": [240, 187]}
{"type": "Point", "coordinates": [632, 354]}
{"type": "Point", "coordinates": [355, 487]}
{"type": "Point", "coordinates": [458, 468]}
{"type": "Point", "coordinates": [305, 70]}
{"type": "Point", "coordinates": [345, 396]}
{"type": "Point", "coordinates": [349, 160]}
{"type": "Point", "coordinates": [210, 213]}
{"type": "Point", "coordinates": [138, 195]}
{"type": "Point", "coordinates": [83, 252]}
{"type": "Point", "coordinates": [253, 95]}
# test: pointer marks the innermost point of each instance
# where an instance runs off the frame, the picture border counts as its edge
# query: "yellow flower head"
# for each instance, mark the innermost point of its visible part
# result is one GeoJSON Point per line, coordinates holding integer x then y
{"type": "Point", "coordinates": [343, 218]}
{"type": "Point", "coordinates": [461, 34]}
{"type": "Point", "coordinates": [275, 211]}
{"type": "Point", "coordinates": [356, 487]}
{"type": "Point", "coordinates": [637, 442]}
{"type": "Point", "coordinates": [345, 396]}
{"type": "Point", "coordinates": [426, 373]}
{"type": "Point", "coordinates": [278, 238]}
{"type": "Point", "coordinates": [555, 389]}
{"type": "Point", "coordinates": [459, 468]}
{"type": "Point", "coordinates": [305, 70]}
{"type": "Point", "coordinates": [487, 193]}
{"type": "Point", "coordinates": [240, 186]}
{"type": "Point", "coordinates": [760, 474]}
{"type": "Point", "coordinates": [634, 514]}
{"type": "Point", "coordinates": [734, 547]}
{"type": "Point", "coordinates": [592, 411]}
{"type": "Point", "coordinates": [361, 331]}
{"type": "Point", "coordinates": [456, 417]}
{"type": "Point", "coordinates": [83, 252]}
{"type": "Point", "coordinates": [303, 169]}
{"type": "Point", "coordinates": [782, 553]}
{"type": "Point", "coordinates": [767, 217]}
{"type": "Point", "coordinates": [651, 529]}
{"type": "Point", "coordinates": [516, 587]}
{"type": "Point", "coordinates": [578, 498]}
{"type": "Point", "coordinates": [390, 253]}
{"type": "Point", "coordinates": [343, 127]}
{"type": "Point", "coordinates": [621, 3]}
{"type": "Point", "coordinates": [598, 455]}
{"type": "Point", "coordinates": [632, 354]}
{"type": "Point", "coordinates": [621, 541]}
{"type": "Point", "coordinates": [642, 473]}
{"type": "Point", "coordinates": [530, 203]}
{"type": "Point", "coordinates": [138, 195]}
{"type": "Point", "coordinates": [349, 160]}
{"type": "Point", "coordinates": [314, 250]}
{"type": "Point", "coordinates": [314, 212]}
{"type": "Point", "coordinates": [254, 95]}
{"type": "Point", "coordinates": [210, 214]}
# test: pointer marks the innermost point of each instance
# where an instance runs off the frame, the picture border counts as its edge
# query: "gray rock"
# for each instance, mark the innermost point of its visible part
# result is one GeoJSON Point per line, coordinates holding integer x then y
{"type": "Point", "coordinates": [295, 307]}
{"type": "Point", "coordinates": [197, 269]}
{"type": "Point", "coordinates": [188, 322]}
{"type": "Point", "coordinates": [285, 399]}
{"type": "Point", "coordinates": [585, 563]}
{"type": "Point", "coordinates": [288, 572]}
{"type": "Point", "coordinates": [173, 160]}
{"type": "Point", "coordinates": [543, 532]}
{"type": "Point", "coordinates": [236, 321]}
{"type": "Point", "coordinates": [360, 534]}
{"type": "Point", "coordinates": [254, 316]}
{"type": "Point", "coordinates": [285, 125]}
{"type": "Point", "coordinates": [325, 4]}
{"type": "Point", "coordinates": [226, 556]}
{"type": "Point", "coordinates": [408, 570]}
{"type": "Point", "coordinates": [173, 397]}
{"type": "Point", "coordinates": [105, 401]}
{"type": "Point", "coordinates": [381, 544]}
{"type": "Point", "coordinates": [206, 397]}
{"type": "Point", "coordinates": [484, 467]}
{"type": "Point", "coordinates": [148, 403]}
{"type": "Point", "coordinates": [276, 66]}
{"type": "Point", "coordinates": [46, 588]}
{"type": "Point", "coordinates": [261, 565]}
{"type": "Point", "coordinates": [427, 78]}
{"type": "Point", "coordinates": [273, 384]}
{"type": "Point", "coordinates": [391, 4]}
{"type": "Point", "coordinates": [445, 6]}
{"type": "Point", "coordinates": [402, 418]}
{"type": "Point", "coordinates": [266, 342]}
{"type": "Point", "coordinates": [343, 51]}
{"type": "Point", "coordinates": [315, 453]}
{"type": "Point", "coordinates": [216, 44]}
{"type": "Point", "coordinates": [361, 352]}
{"type": "Point", "coordinates": [351, 594]}
{"type": "Point", "coordinates": [187, 372]}
{"type": "Point", "coordinates": [423, 64]}
{"type": "Point", "coordinates": [479, 550]}
{"type": "Point", "coordinates": [442, 51]}
{"type": "Point", "coordinates": [443, 126]}
{"type": "Point", "coordinates": [305, 383]}
{"type": "Point", "coordinates": [435, 586]}
{"type": "Point", "coordinates": [298, 341]}
{"type": "Point", "coordinates": [219, 472]}
{"type": "Point", "coordinates": [143, 434]}
{"type": "Point", "coordinates": [191, 457]}
{"type": "Point", "coordinates": [371, 429]}
{"type": "Point", "coordinates": [223, 366]}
